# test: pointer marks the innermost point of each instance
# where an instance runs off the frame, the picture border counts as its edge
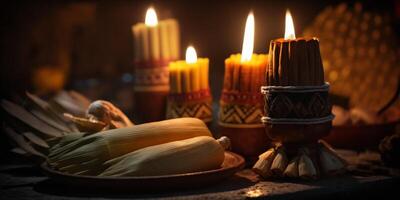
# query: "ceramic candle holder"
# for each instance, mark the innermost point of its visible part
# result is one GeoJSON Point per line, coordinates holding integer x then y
{"type": "Point", "coordinates": [194, 104]}
{"type": "Point", "coordinates": [296, 118]}
{"type": "Point", "coordinates": [239, 119]}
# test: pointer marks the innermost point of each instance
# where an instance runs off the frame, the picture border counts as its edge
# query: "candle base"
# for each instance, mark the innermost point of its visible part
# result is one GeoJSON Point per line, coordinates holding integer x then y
{"type": "Point", "coordinates": [150, 106]}
{"type": "Point", "coordinates": [150, 91]}
{"type": "Point", "coordinates": [194, 104]}
{"type": "Point", "coordinates": [246, 141]}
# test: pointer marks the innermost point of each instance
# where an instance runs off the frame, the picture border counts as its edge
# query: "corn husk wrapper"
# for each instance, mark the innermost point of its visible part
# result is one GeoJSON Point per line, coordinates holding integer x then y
{"type": "Point", "coordinates": [90, 152]}
{"type": "Point", "coordinates": [194, 154]}
{"type": "Point", "coordinates": [263, 165]}
{"type": "Point", "coordinates": [292, 169]}
{"type": "Point", "coordinates": [307, 169]}
{"type": "Point", "coordinates": [331, 162]}
{"type": "Point", "coordinates": [280, 162]}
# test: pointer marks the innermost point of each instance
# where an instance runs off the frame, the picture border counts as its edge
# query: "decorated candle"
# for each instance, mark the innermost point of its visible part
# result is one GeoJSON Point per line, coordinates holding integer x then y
{"type": "Point", "coordinates": [241, 104]}
{"type": "Point", "coordinates": [190, 75]}
{"type": "Point", "coordinates": [156, 43]}
{"type": "Point", "coordinates": [297, 111]}
{"type": "Point", "coordinates": [294, 61]}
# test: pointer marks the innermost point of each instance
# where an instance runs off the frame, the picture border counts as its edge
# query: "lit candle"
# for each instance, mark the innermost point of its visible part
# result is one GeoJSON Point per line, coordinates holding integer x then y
{"type": "Point", "coordinates": [156, 43]}
{"type": "Point", "coordinates": [294, 61]}
{"type": "Point", "coordinates": [245, 72]}
{"type": "Point", "coordinates": [151, 23]}
{"type": "Point", "coordinates": [190, 75]}
{"type": "Point", "coordinates": [155, 40]}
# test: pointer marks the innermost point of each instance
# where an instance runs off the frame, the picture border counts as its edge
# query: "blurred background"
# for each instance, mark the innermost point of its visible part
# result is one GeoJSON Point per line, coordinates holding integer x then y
{"type": "Point", "coordinates": [88, 45]}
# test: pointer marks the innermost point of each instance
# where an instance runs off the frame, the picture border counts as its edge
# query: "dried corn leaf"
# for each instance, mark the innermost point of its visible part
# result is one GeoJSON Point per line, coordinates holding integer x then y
{"type": "Point", "coordinates": [36, 140]}
{"type": "Point", "coordinates": [19, 151]}
{"type": "Point", "coordinates": [55, 114]}
{"type": "Point", "coordinates": [26, 117]}
{"type": "Point", "coordinates": [38, 101]}
{"type": "Point", "coordinates": [83, 101]}
{"type": "Point", "coordinates": [68, 104]}
{"type": "Point", "coordinates": [44, 106]}
{"type": "Point", "coordinates": [50, 121]}
{"type": "Point", "coordinates": [22, 143]}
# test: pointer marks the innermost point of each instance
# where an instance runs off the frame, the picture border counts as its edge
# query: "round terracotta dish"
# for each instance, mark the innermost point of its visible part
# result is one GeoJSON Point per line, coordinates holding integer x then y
{"type": "Point", "coordinates": [230, 166]}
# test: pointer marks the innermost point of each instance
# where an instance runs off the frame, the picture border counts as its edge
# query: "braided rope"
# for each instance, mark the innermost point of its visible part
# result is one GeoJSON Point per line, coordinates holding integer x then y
{"type": "Point", "coordinates": [295, 89]}
{"type": "Point", "coordinates": [268, 120]}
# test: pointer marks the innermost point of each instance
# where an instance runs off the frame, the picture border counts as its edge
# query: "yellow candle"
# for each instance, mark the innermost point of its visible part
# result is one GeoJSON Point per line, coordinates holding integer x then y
{"type": "Point", "coordinates": [137, 49]}
{"type": "Point", "coordinates": [165, 47]}
{"type": "Point", "coordinates": [172, 78]}
{"type": "Point", "coordinates": [228, 75]}
{"type": "Point", "coordinates": [192, 63]}
{"type": "Point", "coordinates": [178, 80]}
{"type": "Point", "coordinates": [185, 74]}
{"type": "Point", "coordinates": [174, 39]}
{"type": "Point", "coordinates": [145, 41]}
{"type": "Point", "coordinates": [204, 63]}
{"type": "Point", "coordinates": [151, 22]}
{"type": "Point", "coordinates": [190, 75]}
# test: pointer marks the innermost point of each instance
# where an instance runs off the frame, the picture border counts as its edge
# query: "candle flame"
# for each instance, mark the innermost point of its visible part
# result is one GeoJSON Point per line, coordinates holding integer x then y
{"type": "Point", "coordinates": [151, 17]}
{"type": "Point", "coordinates": [248, 40]}
{"type": "Point", "coordinates": [191, 55]}
{"type": "Point", "coordinates": [289, 27]}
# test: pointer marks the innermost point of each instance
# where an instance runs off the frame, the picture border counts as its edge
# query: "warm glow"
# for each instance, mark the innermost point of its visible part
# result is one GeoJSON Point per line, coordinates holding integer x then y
{"type": "Point", "coordinates": [248, 40]}
{"type": "Point", "coordinates": [151, 17]}
{"type": "Point", "coordinates": [191, 55]}
{"type": "Point", "coordinates": [289, 27]}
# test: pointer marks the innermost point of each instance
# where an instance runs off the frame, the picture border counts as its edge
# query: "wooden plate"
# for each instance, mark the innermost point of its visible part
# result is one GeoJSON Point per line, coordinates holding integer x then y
{"type": "Point", "coordinates": [230, 166]}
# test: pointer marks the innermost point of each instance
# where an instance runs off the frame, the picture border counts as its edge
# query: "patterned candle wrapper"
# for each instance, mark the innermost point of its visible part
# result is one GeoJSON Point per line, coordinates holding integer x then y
{"type": "Point", "coordinates": [241, 110]}
{"type": "Point", "coordinates": [151, 90]}
{"type": "Point", "coordinates": [194, 104]}
{"type": "Point", "coordinates": [296, 104]}
{"type": "Point", "coordinates": [151, 76]}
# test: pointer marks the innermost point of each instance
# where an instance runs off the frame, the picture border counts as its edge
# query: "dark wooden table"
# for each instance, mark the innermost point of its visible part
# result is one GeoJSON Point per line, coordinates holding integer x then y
{"type": "Point", "coordinates": [366, 178]}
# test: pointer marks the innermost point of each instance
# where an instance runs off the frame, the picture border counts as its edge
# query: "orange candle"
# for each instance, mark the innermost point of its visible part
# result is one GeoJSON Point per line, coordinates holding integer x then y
{"type": "Point", "coordinates": [243, 72]}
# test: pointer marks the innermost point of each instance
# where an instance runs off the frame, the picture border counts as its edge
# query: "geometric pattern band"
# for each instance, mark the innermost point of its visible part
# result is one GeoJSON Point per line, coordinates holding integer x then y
{"type": "Point", "coordinates": [198, 109]}
{"type": "Point", "coordinates": [240, 115]}
{"type": "Point", "coordinates": [154, 76]}
{"type": "Point", "coordinates": [240, 109]}
{"type": "Point", "coordinates": [296, 104]}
